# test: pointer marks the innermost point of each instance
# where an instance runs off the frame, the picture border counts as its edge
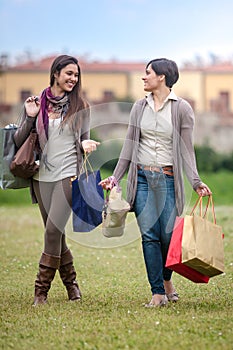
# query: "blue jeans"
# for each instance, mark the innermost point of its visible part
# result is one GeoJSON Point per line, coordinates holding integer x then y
{"type": "Point", "coordinates": [155, 210]}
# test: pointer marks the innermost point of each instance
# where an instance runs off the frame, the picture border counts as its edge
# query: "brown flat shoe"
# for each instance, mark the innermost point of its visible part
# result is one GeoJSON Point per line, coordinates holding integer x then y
{"type": "Point", "coordinates": [173, 297]}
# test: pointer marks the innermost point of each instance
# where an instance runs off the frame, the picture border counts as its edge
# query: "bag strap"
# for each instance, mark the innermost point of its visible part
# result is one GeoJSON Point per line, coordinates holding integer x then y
{"type": "Point", "coordinates": [86, 162]}
{"type": "Point", "coordinates": [209, 203]}
{"type": "Point", "coordinates": [198, 203]}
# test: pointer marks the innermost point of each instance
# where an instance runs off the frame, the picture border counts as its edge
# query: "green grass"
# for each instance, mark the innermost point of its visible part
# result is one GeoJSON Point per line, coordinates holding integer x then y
{"type": "Point", "coordinates": [114, 286]}
{"type": "Point", "coordinates": [221, 183]}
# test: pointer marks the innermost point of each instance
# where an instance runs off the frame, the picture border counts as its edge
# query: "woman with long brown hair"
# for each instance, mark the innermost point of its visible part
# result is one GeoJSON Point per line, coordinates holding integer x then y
{"type": "Point", "coordinates": [61, 117]}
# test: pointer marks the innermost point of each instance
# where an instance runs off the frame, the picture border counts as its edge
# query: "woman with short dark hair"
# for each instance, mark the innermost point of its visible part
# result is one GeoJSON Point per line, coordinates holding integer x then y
{"type": "Point", "coordinates": [157, 148]}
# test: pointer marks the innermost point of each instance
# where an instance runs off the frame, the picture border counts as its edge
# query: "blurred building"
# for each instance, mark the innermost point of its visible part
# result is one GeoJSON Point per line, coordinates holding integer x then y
{"type": "Point", "coordinates": [209, 89]}
{"type": "Point", "coordinates": [100, 80]}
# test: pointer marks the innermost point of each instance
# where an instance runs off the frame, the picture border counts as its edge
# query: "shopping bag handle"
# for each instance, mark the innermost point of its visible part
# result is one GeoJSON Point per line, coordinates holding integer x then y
{"type": "Point", "coordinates": [209, 203]}
{"type": "Point", "coordinates": [84, 166]}
{"type": "Point", "coordinates": [115, 183]}
{"type": "Point", "coordinates": [198, 203]}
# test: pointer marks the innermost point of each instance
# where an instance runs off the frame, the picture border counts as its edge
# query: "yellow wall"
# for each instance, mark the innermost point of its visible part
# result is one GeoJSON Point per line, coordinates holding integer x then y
{"type": "Point", "coordinates": [190, 85]}
{"type": "Point", "coordinates": [216, 83]}
{"type": "Point", "coordinates": [136, 86]}
{"type": "Point", "coordinates": [195, 85]}
{"type": "Point", "coordinates": [94, 84]}
{"type": "Point", "coordinates": [12, 83]}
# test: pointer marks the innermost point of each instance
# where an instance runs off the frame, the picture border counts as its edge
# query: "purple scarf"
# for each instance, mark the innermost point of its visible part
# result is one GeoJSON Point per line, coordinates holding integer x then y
{"type": "Point", "coordinates": [58, 103]}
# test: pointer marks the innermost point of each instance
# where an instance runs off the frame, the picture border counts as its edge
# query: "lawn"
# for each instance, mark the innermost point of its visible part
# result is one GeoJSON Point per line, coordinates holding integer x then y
{"type": "Point", "coordinates": [113, 281]}
{"type": "Point", "coordinates": [221, 184]}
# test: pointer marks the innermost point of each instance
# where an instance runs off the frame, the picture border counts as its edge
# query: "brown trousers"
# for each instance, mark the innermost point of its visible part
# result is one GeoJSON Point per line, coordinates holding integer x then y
{"type": "Point", "coordinates": [55, 202]}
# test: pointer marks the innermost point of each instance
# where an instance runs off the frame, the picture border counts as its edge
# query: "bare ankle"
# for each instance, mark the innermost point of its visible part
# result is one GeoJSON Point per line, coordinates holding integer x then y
{"type": "Point", "coordinates": [168, 286]}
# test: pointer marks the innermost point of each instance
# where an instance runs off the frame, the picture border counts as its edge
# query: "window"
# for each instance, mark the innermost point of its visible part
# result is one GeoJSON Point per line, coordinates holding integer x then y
{"type": "Point", "coordinates": [24, 94]}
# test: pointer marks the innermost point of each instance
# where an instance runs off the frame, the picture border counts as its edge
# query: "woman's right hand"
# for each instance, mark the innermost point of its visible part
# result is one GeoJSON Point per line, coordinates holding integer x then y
{"type": "Point", "coordinates": [108, 183]}
{"type": "Point", "coordinates": [32, 106]}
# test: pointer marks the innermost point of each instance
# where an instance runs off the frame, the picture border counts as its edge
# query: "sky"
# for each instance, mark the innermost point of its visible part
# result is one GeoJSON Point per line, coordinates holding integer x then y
{"type": "Point", "coordinates": [123, 30]}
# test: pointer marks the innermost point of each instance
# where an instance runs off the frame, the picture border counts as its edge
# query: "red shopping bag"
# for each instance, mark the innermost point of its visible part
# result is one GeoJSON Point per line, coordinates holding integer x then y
{"type": "Point", "coordinates": [174, 256]}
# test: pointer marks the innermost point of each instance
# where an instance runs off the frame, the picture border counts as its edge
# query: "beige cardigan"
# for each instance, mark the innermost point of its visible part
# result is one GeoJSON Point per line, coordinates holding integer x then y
{"type": "Point", "coordinates": [183, 150]}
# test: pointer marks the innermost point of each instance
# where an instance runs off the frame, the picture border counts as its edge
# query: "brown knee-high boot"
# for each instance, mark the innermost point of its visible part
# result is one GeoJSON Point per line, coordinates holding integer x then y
{"type": "Point", "coordinates": [47, 269]}
{"type": "Point", "coordinates": [68, 276]}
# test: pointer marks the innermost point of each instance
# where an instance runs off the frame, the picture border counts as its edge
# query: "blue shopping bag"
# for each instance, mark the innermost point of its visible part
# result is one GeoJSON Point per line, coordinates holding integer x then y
{"type": "Point", "coordinates": [87, 201]}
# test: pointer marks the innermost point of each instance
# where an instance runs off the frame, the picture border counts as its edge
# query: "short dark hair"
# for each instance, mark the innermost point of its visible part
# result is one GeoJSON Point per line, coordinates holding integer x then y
{"type": "Point", "coordinates": [164, 66]}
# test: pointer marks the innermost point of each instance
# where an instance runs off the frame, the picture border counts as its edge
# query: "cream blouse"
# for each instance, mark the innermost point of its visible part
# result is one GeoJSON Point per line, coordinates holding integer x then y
{"type": "Point", "coordinates": [155, 144]}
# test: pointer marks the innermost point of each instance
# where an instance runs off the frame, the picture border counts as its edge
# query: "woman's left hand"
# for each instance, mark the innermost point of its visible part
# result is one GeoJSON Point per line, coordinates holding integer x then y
{"type": "Point", "coordinates": [89, 145]}
{"type": "Point", "coordinates": [203, 190]}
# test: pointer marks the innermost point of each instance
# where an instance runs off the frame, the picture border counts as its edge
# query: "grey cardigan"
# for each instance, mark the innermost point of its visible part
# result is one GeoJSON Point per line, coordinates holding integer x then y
{"type": "Point", "coordinates": [183, 150]}
{"type": "Point", "coordinates": [83, 133]}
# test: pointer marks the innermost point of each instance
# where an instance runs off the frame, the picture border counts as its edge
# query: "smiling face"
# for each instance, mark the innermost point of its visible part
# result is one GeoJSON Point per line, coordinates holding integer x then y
{"type": "Point", "coordinates": [152, 81]}
{"type": "Point", "coordinates": [66, 79]}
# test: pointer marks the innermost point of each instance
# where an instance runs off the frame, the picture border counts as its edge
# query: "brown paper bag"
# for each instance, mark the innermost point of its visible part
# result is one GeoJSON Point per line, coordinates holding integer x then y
{"type": "Point", "coordinates": [202, 242]}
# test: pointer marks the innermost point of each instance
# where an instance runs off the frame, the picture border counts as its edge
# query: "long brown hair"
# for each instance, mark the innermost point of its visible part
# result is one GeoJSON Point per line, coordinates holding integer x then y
{"type": "Point", "coordinates": [76, 100]}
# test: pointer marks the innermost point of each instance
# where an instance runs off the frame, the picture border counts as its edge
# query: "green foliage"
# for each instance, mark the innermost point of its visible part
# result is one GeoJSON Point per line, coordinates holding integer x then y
{"type": "Point", "coordinates": [125, 104]}
{"type": "Point", "coordinates": [15, 197]}
{"type": "Point", "coordinates": [106, 155]}
{"type": "Point", "coordinates": [227, 162]}
{"type": "Point", "coordinates": [112, 315]}
{"type": "Point", "coordinates": [209, 160]}
{"type": "Point", "coordinates": [220, 183]}
{"type": "Point", "coordinates": [94, 135]}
